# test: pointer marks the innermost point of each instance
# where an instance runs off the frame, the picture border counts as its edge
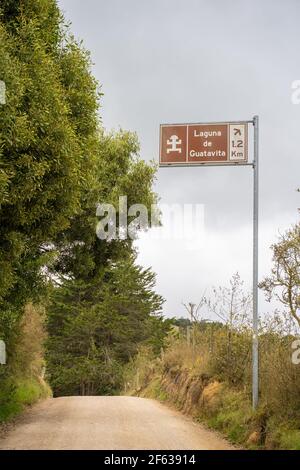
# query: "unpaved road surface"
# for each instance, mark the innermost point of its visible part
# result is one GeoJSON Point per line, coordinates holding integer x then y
{"type": "Point", "coordinates": [108, 423]}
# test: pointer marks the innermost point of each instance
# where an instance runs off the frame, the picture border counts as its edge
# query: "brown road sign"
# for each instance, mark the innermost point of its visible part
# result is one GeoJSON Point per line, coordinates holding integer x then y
{"type": "Point", "coordinates": [203, 143]}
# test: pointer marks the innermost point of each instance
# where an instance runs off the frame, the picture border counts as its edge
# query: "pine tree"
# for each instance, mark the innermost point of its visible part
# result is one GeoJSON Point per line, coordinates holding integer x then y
{"type": "Point", "coordinates": [96, 327]}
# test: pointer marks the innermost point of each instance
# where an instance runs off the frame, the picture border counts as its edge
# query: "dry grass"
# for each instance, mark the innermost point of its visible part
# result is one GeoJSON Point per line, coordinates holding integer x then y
{"type": "Point", "coordinates": [22, 380]}
{"type": "Point", "coordinates": [212, 382]}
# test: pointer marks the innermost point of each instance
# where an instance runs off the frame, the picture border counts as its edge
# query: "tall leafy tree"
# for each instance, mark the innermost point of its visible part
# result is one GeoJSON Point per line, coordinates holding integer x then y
{"type": "Point", "coordinates": [56, 164]}
{"type": "Point", "coordinates": [48, 136]}
{"type": "Point", "coordinates": [119, 172]}
{"type": "Point", "coordinates": [105, 305]}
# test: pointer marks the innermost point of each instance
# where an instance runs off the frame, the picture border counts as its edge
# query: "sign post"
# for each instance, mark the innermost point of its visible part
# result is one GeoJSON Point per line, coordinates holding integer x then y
{"type": "Point", "coordinates": [255, 374]}
{"type": "Point", "coordinates": [219, 144]}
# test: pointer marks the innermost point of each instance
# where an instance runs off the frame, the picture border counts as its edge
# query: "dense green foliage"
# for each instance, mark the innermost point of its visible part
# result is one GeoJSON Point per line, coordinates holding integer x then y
{"type": "Point", "coordinates": [104, 305]}
{"type": "Point", "coordinates": [48, 131]}
{"type": "Point", "coordinates": [96, 327]}
{"type": "Point", "coordinates": [56, 165]}
{"type": "Point", "coordinates": [206, 369]}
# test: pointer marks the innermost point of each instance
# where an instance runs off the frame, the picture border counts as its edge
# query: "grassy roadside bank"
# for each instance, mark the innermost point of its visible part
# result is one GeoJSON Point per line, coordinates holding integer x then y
{"type": "Point", "coordinates": [22, 393]}
{"type": "Point", "coordinates": [21, 378]}
{"type": "Point", "coordinates": [179, 378]}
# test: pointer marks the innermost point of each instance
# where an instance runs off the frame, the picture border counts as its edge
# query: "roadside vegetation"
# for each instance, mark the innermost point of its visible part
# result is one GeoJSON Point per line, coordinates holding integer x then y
{"type": "Point", "coordinates": [205, 367]}
{"type": "Point", "coordinates": [22, 379]}
{"type": "Point", "coordinates": [78, 316]}
{"type": "Point", "coordinates": [66, 296]}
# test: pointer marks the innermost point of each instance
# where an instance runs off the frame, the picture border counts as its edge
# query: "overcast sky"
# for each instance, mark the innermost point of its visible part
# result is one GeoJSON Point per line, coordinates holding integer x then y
{"type": "Point", "coordinates": [198, 61]}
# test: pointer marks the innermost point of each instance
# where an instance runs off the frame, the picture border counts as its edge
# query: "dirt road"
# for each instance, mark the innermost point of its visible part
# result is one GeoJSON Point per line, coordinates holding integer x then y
{"type": "Point", "coordinates": [108, 423]}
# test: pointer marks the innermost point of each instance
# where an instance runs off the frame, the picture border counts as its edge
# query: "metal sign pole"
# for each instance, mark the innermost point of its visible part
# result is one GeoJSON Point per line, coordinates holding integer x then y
{"type": "Point", "coordinates": [255, 384]}
{"type": "Point", "coordinates": [188, 145]}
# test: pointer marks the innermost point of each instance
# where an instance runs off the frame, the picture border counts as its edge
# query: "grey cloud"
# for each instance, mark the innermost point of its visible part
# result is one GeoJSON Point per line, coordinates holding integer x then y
{"type": "Point", "coordinates": [193, 61]}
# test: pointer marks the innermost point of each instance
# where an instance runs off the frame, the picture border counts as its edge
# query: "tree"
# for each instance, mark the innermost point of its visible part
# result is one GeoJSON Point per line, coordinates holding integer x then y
{"type": "Point", "coordinates": [113, 304]}
{"type": "Point", "coordinates": [118, 172]}
{"type": "Point", "coordinates": [284, 281]}
{"type": "Point", "coordinates": [56, 164]}
{"type": "Point", "coordinates": [48, 135]}
{"type": "Point", "coordinates": [96, 327]}
{"type": "Point", "coordinates": [231, 304]}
